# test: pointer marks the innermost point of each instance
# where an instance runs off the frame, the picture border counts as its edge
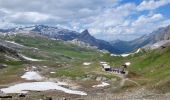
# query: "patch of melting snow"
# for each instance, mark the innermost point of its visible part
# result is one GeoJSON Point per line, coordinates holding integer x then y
{"type": "Point", "coordinates": [52, 72]}
{"type": "Point", "coordinates": [34, 67]}
{"type": "Point", "coordinates": [138, 50]}
{"type": "Point", "coordinates": [39, 86]}
{"type": "Point", "coordinates": [62, 83]}
{"type": "Point", "coordinates": [86, 63]}
{"type": "Point", "coordinates": [103, 84]}
{"type": "Point", "coordinates": [127, 63]}
{"type": "Point", "coordinates": [45, 66]}
{"type": "Point", "coordinates": [125, 55]}
{"type": "Point", "coordinates": [15, 43]}
{"type": "Point", "coordinates": [30, 59]}
{"type": "Point", "coordinates": [35, 48]}
{"type": "Point", "coordinates": [115, 55]}
{"type": "Point", "coordinates": [32, 75]}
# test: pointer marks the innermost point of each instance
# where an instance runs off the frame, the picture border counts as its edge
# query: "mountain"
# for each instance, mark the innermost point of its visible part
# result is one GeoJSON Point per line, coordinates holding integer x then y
{"type": "Point", "coordinates": [49, 31]}
{"type": "Point", "coordinates": [156, 38]}
{"type": "Point", "coordinates": [55, 32]}
{"type": "Point", "coordinates": [129, 46]}
{"type": "Point", "coordinates": [66, 35]}
{"type": "Point", "coordinates": [100, 44]}
{"type": "Point", "coordinates": [161, 35]}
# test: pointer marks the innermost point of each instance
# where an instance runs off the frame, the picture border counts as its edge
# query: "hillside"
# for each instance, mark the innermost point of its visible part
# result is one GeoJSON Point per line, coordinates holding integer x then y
{"type": "Point", "coordinates": [60, 61]}
{"type": "Point", "coordinates": [151, 68]}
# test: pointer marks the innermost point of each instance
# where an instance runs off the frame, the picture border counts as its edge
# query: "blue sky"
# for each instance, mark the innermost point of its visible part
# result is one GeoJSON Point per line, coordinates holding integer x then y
{"type": "Point", "coordinates": [105, 19]}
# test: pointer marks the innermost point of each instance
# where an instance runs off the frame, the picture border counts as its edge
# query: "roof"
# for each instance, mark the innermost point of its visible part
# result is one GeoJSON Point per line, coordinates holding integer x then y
{"type": "Point", "coordinates": [102, 62]}
{"type": "Point", "coordinates": [106, 66]}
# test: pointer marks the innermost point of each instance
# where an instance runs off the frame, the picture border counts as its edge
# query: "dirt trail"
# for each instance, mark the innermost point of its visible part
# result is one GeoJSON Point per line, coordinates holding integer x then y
{"type": "Point", "coordinates": [124, 79]}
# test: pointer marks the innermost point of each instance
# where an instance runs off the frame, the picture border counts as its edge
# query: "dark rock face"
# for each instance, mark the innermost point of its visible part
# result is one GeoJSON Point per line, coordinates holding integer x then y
{"type": "Point", "coordinates": [100, 44]}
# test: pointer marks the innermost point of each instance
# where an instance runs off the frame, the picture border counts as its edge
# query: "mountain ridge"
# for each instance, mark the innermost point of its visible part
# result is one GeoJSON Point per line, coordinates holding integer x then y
{"type": "Point", "coordinates": [117, 46]}
{"type": "Point", "coordinates": [67, 35]}
{"type": "Point", "coordinates": [161, 34]}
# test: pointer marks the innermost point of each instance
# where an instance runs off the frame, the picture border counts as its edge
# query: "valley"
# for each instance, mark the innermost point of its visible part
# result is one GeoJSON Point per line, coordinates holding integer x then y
{"type": "Point", "coordinates": [44, 68]}
{"type": "Point", "coordinates": [84, 50]}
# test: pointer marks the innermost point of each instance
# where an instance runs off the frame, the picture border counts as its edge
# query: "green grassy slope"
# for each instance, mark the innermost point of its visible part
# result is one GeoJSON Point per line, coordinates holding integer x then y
{"type": "Point", "coordinates": [65, 58]}
{"type": "Point", "coordinates": [150, 68]}
{"type": "Point", "coordinates": [155, 66]}
{"type": "Point", "coordinates": [52, 49]}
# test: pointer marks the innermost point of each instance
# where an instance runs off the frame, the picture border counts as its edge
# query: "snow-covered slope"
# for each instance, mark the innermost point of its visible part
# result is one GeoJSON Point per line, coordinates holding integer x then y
{"type": "Point", "coordinates": [39, 86]}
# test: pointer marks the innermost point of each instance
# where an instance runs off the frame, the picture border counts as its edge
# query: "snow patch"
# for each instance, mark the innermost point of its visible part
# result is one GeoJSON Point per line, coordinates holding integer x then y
{"type": "Point", "coordinates": [62, 83]}
{"type": "Point", "coordinates": [52, 72]}
{"type": "Point", "coordinates": [34, 67]}
{"type": "Point", "coordinates": [127, 63]}
{"type": "Point", "coordinates": [114, 55]}
{"type": "Point", "coordinates": [39, 86]}
{"type": "Point", "coordinates": [86, 63]}
{"type": "Point", "coordinates": [45, 66]}
{"type": "Point", "coordinates": [32, 75]}
{"type": "Point", "coordinates": [138, 50]}
{"type": "Point", "coordinates": [103, 84]}
{"type": "Point", "coordinates": [15, 43]}
{"type": "Point", "coordinates": [125, 55]}
{"type": "Point", "coordinates": [35, 48]}
{"type": "Point", "coordinates": [30, 59]}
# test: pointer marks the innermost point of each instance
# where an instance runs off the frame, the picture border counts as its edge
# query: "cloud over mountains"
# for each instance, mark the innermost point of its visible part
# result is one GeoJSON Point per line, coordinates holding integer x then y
{"type": "Point", "coordinates": [109, 18]}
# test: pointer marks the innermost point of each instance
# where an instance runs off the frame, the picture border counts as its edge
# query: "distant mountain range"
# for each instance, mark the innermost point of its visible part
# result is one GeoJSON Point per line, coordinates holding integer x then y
{"type": "Point", "coordinates": [117, 46]}
{"type": "Point", "coordinates": [161, 35]}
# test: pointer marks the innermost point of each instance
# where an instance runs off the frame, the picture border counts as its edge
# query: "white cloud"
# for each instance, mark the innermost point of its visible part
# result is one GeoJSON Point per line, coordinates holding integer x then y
{"type": "Point", "coordinates": [105, 19]}
{"type": "Point", "coordinates": [30, 17]}
{"type": "Point", "coordinates": [130, 29]}
{"type": "Point", "coordinates": [60, 8]}
{"type": "Point", "coordinates": [152, 4]}
{"type": "Point", "coordinates": [110, 18]}
{"type": "Point", "coordinates": [142, 20]}
{"type": "Point", "coordinates": [50, 11]}
{"type": "Point", "coordinates": [145, 24]}
{"type": "Point", "coordinates": [164, 23]}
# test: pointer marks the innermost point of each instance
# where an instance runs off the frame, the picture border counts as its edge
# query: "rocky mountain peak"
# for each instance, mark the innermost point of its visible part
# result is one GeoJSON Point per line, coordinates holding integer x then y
{"type": "Point", "coordinates": [85, 32]}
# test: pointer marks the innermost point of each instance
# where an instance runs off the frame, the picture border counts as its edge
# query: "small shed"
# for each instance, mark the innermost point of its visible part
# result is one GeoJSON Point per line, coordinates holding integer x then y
{"type": "Point", "coordinates": [118, 70]}
{"type": "Point", "coordinates": [126, 64]}
{"type": "Point", "coordinates": [106, 67]}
